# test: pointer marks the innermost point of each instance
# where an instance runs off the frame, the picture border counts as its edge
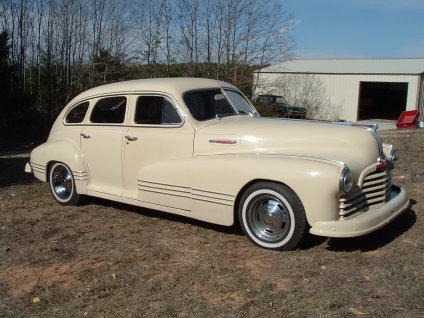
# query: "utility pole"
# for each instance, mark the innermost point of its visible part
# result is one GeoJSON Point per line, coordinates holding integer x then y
{"type": "Point", "coordinates": [284, 51]}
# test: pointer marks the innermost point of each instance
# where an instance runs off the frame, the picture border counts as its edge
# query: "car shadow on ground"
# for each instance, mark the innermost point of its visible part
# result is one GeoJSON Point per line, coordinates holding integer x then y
{"type": "Point", "coordinates": [234, 229]}
{"type": "Point", "coordinates": [377, 239]}
{"type": "Point", "coordinates": [12, 171]}
{"type": "Point", "coordinates": [365, 243]}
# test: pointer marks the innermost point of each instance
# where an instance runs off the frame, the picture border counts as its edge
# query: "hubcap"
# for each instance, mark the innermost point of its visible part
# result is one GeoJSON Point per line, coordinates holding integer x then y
{"type": "Point", "coordinates": [268, 218]}
{"type": "Point", "coordinates": [62, 182]}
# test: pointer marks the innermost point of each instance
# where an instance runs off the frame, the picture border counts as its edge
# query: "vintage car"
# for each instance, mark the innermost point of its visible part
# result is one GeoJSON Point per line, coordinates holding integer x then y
{"type": "Point", "coordinates": [279, 105]}
{"type": "Point", "coordinates": [198, 148]}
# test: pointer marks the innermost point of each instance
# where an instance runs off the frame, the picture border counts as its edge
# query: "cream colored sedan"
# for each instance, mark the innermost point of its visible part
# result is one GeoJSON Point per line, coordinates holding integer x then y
{"type": "Point", "coordinates": [198, 148]}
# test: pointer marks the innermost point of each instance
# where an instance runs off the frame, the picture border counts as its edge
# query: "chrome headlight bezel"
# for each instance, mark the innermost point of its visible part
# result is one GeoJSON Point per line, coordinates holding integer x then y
{"type": "Point", "coordinates": [393, 159]}
{"type": "Point", "coordinates": [346, 180]}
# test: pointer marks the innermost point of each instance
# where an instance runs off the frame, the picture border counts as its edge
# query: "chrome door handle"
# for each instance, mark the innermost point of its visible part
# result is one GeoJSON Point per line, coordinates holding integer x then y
{"type": "Point", "coordinates": [131, 138]}
{"type": "Point", "coordinates": [85, 135]}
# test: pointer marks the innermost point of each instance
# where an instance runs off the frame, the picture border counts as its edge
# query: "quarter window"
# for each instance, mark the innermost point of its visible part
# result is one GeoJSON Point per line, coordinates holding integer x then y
{"type": "Point", "coordinates": [109, 110]}
{"type": "Point", "coordinates": [155, 110]}
{"type": "Point", "coordinates": [77, 114]}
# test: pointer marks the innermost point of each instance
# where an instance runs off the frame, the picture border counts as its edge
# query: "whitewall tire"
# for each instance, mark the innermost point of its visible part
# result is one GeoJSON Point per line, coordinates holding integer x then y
{"type": "Point", "coordinates": [272, 216]}
{"type": "Point", "coordinates": [62, 184]}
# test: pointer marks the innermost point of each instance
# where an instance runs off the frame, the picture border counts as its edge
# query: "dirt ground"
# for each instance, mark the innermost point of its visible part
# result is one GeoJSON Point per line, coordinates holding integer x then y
{"type": "Point", "coordinates": [105, 259]}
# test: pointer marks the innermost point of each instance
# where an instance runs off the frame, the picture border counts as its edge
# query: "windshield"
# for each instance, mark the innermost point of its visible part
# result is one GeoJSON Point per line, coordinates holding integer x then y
{"type": "Point", "coordinates": [280, 100]}
{"type": "Point", "coordinates": [213, 103]}
{"type": "Point", "coordinates": [238, 101]}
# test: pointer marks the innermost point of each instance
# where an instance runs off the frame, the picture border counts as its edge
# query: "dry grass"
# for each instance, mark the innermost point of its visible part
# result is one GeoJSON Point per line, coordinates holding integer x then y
{"type": "Point", "coordinates": [111, 260]}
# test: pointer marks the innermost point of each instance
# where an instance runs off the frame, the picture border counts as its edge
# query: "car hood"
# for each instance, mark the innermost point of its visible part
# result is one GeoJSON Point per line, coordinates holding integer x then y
{"type": "Point", "coordinates": [355, 146]}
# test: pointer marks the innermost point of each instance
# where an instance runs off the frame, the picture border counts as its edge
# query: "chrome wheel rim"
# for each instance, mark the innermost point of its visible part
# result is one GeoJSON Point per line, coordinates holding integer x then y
{"type": "Point", "coordinates": [62, 183]}
{"type": "Point", "coordinates": [268, 218]}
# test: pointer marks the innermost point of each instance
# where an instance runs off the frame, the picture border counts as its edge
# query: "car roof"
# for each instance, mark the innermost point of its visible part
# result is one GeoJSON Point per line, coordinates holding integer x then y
{"type": "Point", "coordinates": [174, 85]}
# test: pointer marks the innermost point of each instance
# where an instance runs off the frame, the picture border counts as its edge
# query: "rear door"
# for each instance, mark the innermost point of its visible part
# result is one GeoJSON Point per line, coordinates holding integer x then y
{"type": "Point", "coordinates": [101, 144]}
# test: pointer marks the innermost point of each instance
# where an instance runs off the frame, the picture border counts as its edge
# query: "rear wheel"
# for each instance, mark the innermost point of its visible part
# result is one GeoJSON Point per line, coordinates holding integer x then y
{"type": "Point", "coordinates": [272, 216]}
{"type": "Point", "coordinates": [62, 184]}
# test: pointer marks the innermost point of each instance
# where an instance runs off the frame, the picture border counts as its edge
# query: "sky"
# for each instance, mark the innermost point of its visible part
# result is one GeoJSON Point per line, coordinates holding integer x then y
{"type": "Point", "coordinates": [357, 28]}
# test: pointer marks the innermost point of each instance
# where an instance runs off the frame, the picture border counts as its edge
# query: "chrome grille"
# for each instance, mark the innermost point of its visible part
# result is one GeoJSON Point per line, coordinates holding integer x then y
{"type": "Point", "coordinates": [374, 190]}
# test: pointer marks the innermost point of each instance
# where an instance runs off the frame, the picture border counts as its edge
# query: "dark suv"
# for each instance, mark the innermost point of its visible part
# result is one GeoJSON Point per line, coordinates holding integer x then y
{"type": "Point", "coordinates": [279, 104]}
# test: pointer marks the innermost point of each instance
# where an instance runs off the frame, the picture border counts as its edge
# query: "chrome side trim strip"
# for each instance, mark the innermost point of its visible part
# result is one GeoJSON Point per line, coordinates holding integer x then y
{"type": "Point", "coordinates": [164, 189]}
{"type": "Point", "coordinates": [161, 192]}
{"type": "Point", "coordinates": [163, 184]}
{"type": "Point", "coordinates": [318, 158]}
{"type": "Point", "coordinates": [207, 196]}
{"type": "Point", "coordinates": [186, 192]}
{"type": "Point", "coordinates": [38, 168]}
{"type": "Point", "coordinates": [223, 141]}
{"type": "Point", "coordinates": [210, 201]}
{"type": "Point", "coordinates": [205, 191]}
{"type": "Point", "coordinates": [80, 175]}
{"type": "Point", "coordinates": [213, 197]}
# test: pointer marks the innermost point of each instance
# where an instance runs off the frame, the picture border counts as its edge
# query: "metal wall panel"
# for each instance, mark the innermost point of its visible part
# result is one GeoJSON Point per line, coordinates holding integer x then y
{"type": "Point", "coordinates": [339, 93]}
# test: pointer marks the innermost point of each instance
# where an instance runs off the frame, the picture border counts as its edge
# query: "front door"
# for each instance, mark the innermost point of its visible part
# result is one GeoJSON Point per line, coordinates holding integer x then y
{"type": "Point", "coordinates": [101, 144]}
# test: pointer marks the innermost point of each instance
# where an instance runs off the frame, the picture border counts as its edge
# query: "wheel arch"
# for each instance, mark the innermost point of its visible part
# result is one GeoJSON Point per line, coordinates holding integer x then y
{"type": "Point", "coordinates": [64, 152]}
{"type": "Point", "coordinates": [247, 186]}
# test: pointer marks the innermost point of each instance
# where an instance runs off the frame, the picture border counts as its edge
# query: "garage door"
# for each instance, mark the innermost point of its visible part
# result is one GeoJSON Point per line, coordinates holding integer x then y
{"type": "Point", "coordinates": [381, 100]}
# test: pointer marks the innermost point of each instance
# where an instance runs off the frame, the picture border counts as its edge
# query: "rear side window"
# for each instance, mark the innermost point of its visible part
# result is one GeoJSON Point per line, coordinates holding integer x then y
{"type": "Point", "coordinates": [77, 114]}
{"type": "Point", "coordinates": [155, 110]}
{"type": "Point", "coordinates": [109, 110]}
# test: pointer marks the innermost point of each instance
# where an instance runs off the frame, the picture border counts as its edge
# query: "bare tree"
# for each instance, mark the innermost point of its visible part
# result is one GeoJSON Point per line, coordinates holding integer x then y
{"type": "Point", "coordinates": [61, 47]}
{"type": "Point", "coordinates": [149, 23]}
{"type": "Point", "coordinates": [305, 90]}
{"type": "Point", "coordinates": [188, 27]}
{"type": "Point", "coordinates": [167, 12]}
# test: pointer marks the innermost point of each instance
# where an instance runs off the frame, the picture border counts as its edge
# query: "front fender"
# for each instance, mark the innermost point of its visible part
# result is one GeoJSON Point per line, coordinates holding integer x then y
{"type": "Point", "coordinates": [220, 178]}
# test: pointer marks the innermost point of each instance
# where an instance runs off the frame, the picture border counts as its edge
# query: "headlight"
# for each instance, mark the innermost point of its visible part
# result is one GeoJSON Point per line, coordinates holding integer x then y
{"type": "Point", "coordinates": [392, 161]}
{"type": "Point", "coordinates": [346, 180]}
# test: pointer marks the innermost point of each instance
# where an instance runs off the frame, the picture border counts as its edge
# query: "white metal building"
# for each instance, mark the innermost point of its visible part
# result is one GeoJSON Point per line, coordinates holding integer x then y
{"type": "Point", "coordinates": [348, 89]}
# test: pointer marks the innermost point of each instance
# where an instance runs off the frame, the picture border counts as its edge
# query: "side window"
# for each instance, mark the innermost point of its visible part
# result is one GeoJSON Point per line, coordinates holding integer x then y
{"type": "Point", "coordinates": [205, 105]}
{"type": "Point", "coordinates": [77, 114]}
{"type": "Point", "coordinates": [110, 110]}
{"type": "Point", "coordinates": [155, 110]}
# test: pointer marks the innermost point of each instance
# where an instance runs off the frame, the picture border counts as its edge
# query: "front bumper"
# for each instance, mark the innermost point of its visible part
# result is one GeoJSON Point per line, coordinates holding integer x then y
{"type": "Point", "coordinates": [366, 222]}
{"type": "Point", "coordinates": [297, 113]}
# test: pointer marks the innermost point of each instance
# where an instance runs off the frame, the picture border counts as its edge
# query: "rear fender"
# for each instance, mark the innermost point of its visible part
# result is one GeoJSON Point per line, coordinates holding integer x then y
{"type": "Point", "coordinates": [60, 151]}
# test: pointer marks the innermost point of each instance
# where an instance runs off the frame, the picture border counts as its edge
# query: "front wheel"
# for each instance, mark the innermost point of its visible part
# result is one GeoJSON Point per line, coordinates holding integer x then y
{"type": "Point", "coordinates": [62, 184]}
{"type": "Point", "coordinates": [272, 216]}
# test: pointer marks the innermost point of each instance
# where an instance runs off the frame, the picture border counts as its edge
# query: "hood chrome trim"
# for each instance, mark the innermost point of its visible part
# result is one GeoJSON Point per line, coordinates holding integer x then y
{"type": "Point", "coordinates": [223, 141]}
